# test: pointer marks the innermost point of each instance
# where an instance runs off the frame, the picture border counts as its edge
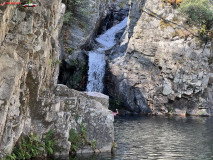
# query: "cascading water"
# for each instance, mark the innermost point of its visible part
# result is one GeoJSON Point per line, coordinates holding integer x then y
{"type": "Point", "coordinates": [97, 62]}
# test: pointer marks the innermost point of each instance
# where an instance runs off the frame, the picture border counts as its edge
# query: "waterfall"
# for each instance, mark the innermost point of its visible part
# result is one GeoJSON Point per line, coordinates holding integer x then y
{"type": "Point", "coordinates": [97, 62]}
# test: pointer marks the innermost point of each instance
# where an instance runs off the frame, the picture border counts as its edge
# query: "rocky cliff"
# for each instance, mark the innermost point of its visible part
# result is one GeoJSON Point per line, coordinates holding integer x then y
{"type": "Point", "coordinates": [160, 65]}
{"type": "Point", "coordinates": [30, 99]}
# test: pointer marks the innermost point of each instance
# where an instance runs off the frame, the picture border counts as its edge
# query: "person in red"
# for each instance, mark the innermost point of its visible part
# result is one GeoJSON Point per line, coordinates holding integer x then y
{"type": "Point", "coordinates": [115, 113]}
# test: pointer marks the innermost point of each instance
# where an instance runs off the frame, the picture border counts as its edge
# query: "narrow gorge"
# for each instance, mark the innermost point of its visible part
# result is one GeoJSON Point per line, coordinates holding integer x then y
{"type": "Point", "coordinates": [67, 65]}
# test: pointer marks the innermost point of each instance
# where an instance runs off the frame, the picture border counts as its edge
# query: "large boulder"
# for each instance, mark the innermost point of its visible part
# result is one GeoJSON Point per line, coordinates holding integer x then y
{"type": "Point", "coordinates": [66, 109]}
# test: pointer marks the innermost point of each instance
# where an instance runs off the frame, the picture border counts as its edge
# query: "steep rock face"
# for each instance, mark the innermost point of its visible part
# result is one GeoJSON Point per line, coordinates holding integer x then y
{"type": "Point", "coordinates": [165, 68]}
{"type": "Point", "coordinates": [29, 53]}
{"type": "Point", "coordinates": [28, 44]}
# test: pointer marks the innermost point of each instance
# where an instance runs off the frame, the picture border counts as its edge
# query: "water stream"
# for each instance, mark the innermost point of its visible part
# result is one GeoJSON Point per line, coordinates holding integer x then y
{"type": "Point", "coordinates": [97, 62]}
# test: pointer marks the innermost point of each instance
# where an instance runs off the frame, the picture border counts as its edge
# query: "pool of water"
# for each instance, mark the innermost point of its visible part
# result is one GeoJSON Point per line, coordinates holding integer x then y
{"type": "Point", "coordinates": [161, 138]}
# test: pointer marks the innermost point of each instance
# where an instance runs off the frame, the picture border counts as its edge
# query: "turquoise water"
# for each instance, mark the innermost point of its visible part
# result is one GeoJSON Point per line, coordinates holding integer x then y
{"type": "Point", "coordinates": [161, 138]}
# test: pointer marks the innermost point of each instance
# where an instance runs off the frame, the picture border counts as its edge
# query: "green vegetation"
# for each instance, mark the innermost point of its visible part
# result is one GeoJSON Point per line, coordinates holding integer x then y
{"type": "Point", "coordinates": [49, 143]}
{"type": "Point", "coordinates": [114, 145]}
{"type": "Point", "coordinates": [50, 62]}
{"type": "Point", "coordinates": [78, 139]}
{"type": "Point", "coordinates": [67, 17]}
{"type": "Point", "coordinates": [32, 146]}
{"type": "Point", "coordinates": [57, 62]}
{"type": "Point", "coordinates": [29, 147]}
{"type": "Point", "coordinates": [70, 50]}
{"type": "Point", "coordinates": [199, 13]}
{"type": "Point", "coordinates": [92, 143]}
{"type": "Point", "coordinates": [171, 111]}
{"type": "Point", "coordinates": [114, 103]}
{"type": "Point", "coordinates": [75, 7]}
{"type": "Point", "coordinates": [77, 78]}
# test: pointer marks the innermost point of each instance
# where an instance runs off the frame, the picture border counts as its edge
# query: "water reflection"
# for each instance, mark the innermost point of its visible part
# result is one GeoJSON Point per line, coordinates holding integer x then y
{"type": "Point", "coordinates": [160, 138]}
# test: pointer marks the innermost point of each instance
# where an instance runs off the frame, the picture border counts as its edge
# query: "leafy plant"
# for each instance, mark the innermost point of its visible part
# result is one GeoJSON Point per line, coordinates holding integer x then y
{"type": "Point", "coordinates": [93, 144]}
{"type": "Point", "coordinates": [10, 157]}
{"type": "Point", "coordinates": [49, 143]}
{"type": "Point", "coordinates": [203, 33]}
{"type": "Point", "coordinates": [31, 146]}
{"type": "Point", "coordinates": [79, 140]}
{"type": "Point", "coordinates": [74, 139]}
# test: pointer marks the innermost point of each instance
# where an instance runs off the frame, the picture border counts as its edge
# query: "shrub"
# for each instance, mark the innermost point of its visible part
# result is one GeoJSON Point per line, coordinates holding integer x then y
{"type": "Point", "coordinates": [31, 146]}
{"type": "Point", "coordinates": [67, 17]}
{"type": "Point", "coordinates": [198, 12]}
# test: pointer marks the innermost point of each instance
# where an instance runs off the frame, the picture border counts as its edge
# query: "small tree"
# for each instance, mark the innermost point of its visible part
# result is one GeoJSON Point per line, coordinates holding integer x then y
{"type": "Point", "coordinates": [198, 12]}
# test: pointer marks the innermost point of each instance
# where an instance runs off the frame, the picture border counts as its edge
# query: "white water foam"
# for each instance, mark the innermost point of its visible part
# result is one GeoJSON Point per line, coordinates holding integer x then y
{"type": "Point", "coordinates": [97, 62]}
